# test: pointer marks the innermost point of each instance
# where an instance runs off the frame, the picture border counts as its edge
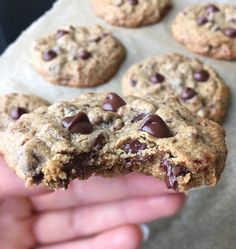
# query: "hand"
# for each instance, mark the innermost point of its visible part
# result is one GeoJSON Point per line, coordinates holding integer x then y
{"type": "Point", "coordinates": [97, 213]}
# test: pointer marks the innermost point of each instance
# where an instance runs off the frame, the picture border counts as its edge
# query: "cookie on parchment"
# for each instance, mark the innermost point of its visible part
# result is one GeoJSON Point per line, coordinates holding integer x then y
{"type": "Point", "coordinates": [78, 56]}
{"type": "Point", "coordinates": [103, 134]}
{"type": "Point", "coordinates": [197, 86]}
{"type": "Point", "coordinates": [208, 29]}
{"type": "Point", "coordinates": [131, 13]}
{"type": "Point", "coordinates": [14, 105]}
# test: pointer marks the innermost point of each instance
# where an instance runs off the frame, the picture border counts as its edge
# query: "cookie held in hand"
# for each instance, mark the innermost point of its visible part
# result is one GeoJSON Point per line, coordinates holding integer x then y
{"type": "Point", "coordinates": [104, 134]}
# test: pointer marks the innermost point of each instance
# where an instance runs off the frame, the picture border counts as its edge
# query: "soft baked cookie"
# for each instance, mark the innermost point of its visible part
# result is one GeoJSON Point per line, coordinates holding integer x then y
{"type": "Point", "coordinates": [13, 105]}
{"type": "Point", "coordinates": [131, 13]}
{"type": "Point", "coordinates": [196, 84]}
{"type": "Point", "coordinates": [107, 135]}
{"type": "Point", "coordinates": [78, 56]}
{"type": "Point", "coordinates": [208, 29]}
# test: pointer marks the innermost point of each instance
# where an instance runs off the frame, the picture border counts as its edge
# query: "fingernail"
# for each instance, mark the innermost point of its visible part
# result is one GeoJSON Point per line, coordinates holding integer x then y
{"type": "Point", "coordinates": [145, 231]}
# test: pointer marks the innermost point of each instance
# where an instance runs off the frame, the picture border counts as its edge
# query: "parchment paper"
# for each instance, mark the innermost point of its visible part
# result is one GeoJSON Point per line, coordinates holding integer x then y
{"type": "Point", "coordinates": [209, 218]}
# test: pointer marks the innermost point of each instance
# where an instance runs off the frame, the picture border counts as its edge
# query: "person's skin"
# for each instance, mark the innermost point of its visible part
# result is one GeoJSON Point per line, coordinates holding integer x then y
{"type": "Point", "coordinates": [97, 213]}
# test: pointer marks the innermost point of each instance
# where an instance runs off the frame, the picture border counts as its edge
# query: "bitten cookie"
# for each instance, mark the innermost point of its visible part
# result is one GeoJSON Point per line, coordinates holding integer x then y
{"type": "Point", "coordinates": [78, 56]}
{"type": "Point", "coordinates": [131, 13]}
{"type": "Point", "coordinates": [13, 105]}
{"type": "Point", "coordinates": [197, 85]}
{"type": "Point", "coordinates": [208, 29]}
{"type": "Point", "coordinates": [106, 135]}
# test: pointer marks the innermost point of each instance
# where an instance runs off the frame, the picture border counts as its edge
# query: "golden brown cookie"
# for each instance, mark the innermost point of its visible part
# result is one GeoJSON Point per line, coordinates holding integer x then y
{"type": "Point", "coordinates": [106, 135]}
{"type": "Point", "coordinates": [208, 29]}
{"type": "Point", "coordinates": [131, 13]}
{"type": "Point", "coordinates": [197, 86]}
{"type": "Point", "coordinates": [78, 56]}
{"type": "Point", "coordinates": [14, 105]}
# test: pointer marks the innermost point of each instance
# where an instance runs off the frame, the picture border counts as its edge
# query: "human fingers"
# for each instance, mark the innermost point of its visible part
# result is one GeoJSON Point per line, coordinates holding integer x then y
{"type": "Point", "coordinates": [125, 237]}
{"type": "Point", "coordinates": [50, 227]}
{"type": "Point", "coordinates": [12, 185]}
{"type": "Point", "coordinates": [99, 190]}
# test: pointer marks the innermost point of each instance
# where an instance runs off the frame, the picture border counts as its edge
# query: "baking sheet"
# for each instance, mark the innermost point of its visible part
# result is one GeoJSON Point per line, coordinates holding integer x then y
{"type": "Point", "coordinates": [209, 218]}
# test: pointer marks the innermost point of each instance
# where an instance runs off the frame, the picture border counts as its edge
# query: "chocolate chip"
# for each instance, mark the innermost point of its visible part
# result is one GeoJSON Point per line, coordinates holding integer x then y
{"type": "Point", "coordinates": [172, 173]}
{"type": "Point", "coordinates": [61, 33]}
{"type": "Point", "coordinates": [98, 142]}
{"type": "Point", "coordinates": [84, 55]}
{"type": "Point", "coordinates": [17, 112]}
{"type": "Point", "coordinates": [79, 123]}
{"type": "Point", "coordinates": [77, 167]}
{"type": "Point", "coordinates": [133, 146]}
{"type": "Point", "coordinates": [201, 75]}
{"type": "Point", "coordinates": [212, 8]}
{"type": "Point", "coordinates": [138, 118]}
{"type": "Point", "coordinates": [112, 102]}
{"type": "Point", "coordinates": [49, 55]}
{"type": "Point", "coordinates": [157, 78]}
{"type": "Point", "coordinates": [230, 32]}
{"type": "Point", "coordinates": [37, 179]}
{"type": "Point", "coordinates": [155, 125]}
{"type": "Point", "coordinates": [133, 82]}
{"type": "Point", "coordinates": [187, 93]}
{"type": "Point", "coordinates": [133, 2]}
{"type": "Point", "coordinates": [201, 20]}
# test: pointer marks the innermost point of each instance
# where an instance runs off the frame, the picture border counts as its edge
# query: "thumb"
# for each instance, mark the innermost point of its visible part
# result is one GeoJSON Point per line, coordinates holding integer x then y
{"type": "Point", "coordinates": [12, 185]}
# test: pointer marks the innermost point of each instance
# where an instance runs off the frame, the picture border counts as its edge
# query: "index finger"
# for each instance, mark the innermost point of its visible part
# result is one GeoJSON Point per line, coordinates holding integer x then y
{"type": "Point", "coordinates": [98, 190]}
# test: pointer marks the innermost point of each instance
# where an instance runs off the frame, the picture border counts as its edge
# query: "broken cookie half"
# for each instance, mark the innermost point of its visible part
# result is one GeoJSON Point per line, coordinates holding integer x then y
{"type": "Point", "coordinates": [104, 134]}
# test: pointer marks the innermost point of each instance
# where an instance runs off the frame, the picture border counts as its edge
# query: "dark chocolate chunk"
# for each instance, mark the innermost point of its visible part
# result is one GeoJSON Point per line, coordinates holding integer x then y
{"type": "Point", "coordinates": [133, 2]}
{"type": "Point", "coordinates": [230, 32]}
{"type": "Point", "coordinates": [201, 75]}
{"type": "Point", "coordinates": [155, 125]}
{"type": "Point", "coordinates": [49, 55]}
{"type": "Point", "coordinates": [61, 33]}
{"type": "Point", "coordinates": [37, 179]}
{"type": "Point", "coordinates": [187, 93]}
{"type": "Point", "coordinates": [112, 102]}
{"type": "Point", "coordinates": [201, 20]}
{"type": "Point", "coordinates": [133, 82]}
{"type": "Point", "coordinates": [157, 78]}
{"type": "Point", "coordinates": [212, 8]}
{"type": "Point", "coordinates": [79, 123]}
{"type": "Point", "coordinates": [16, 112]}
{"type": "Point", "coordinates": [99, 142]}
{"type": "Point", "coordinates": [138, 118]}
{"type": "Point", "coordinates": [172, 173]}
{"type": "Point", "coordinates": [84, 55]}
{"type": "Point", "coordinates": [133, 146]}
{"type": "Point", "coordinates": [77, 167]}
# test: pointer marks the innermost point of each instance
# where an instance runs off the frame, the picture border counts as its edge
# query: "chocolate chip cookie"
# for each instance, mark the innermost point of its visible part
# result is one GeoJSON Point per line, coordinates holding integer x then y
{"type": "Point", "coordinates": [208, 29]}
{"type": "Point", "coordinates": [13, 105]}
{"type": "Point", "coordinates": [197, 86]}
{"type": "Point", "coordinates": [78, 56]}
{"type": "Point", "coordinates": [131, 13]}
{"type": "Point", "coordinates": [107, 135]}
